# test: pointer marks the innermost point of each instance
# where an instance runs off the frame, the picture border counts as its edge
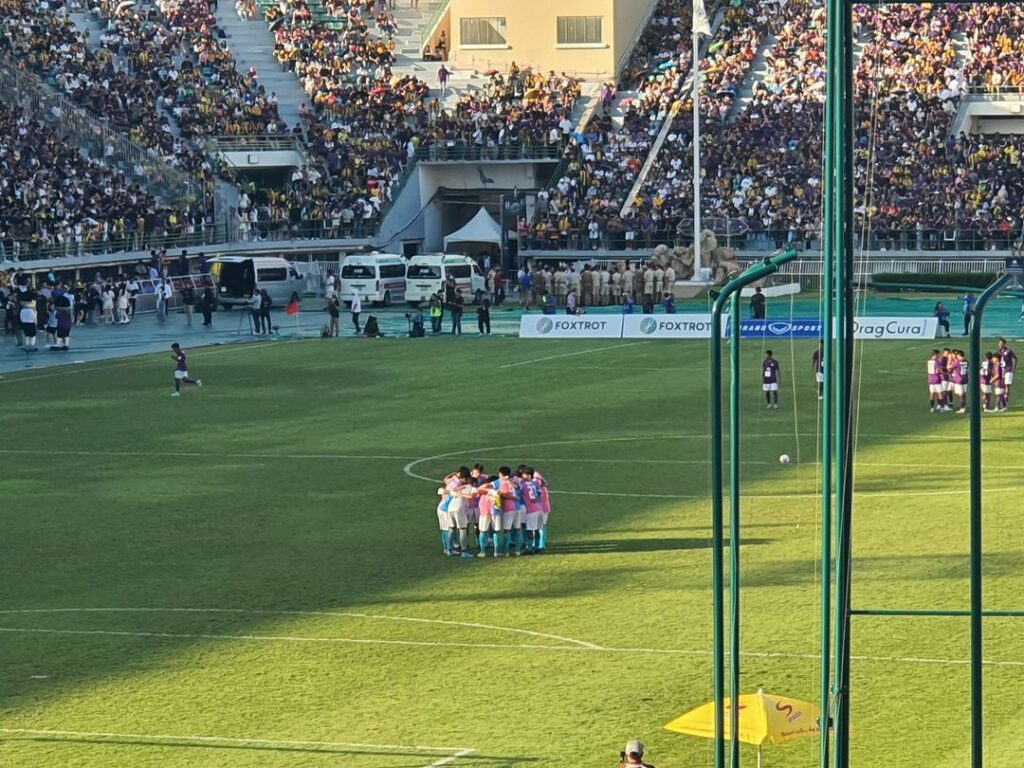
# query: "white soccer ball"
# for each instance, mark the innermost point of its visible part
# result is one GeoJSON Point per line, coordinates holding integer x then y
{"type": "Point", "coordinates": [784, 458]}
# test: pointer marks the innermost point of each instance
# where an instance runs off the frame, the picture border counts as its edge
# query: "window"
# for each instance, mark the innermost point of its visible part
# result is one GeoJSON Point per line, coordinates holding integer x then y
{"type": "Point", "coordinates": [424, 272]}
{"type": "Point", "coordinates": [483, 31]}
{"type": "Point", "coordinates": [357, 272]}
{"type": "Point", "coordinates": [580, 30]}
{"type": "Point", "coordinates": [392, 270]}
{"type": "Point", "coordinates": [273, 274]}
{"type": "Point", "coordinates": [459, 272]}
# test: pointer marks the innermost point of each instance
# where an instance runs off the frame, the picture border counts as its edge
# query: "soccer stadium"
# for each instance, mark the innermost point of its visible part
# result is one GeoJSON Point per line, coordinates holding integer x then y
{"type": "Point", "coordinates": [423, 383]}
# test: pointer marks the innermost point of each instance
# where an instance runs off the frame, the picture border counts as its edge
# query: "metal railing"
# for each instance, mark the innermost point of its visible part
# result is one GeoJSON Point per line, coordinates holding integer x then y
{"type": "Point", "coordinates": [18, 251]}
{"type": "Point", "coordinates": [167, 184]}
{"type": "Point", "coordinates": [995, 91]}
{"type": "Point", "coordinates": [437, 153]}
{"type": "Point", "coordinates": [432, 23]}
{"type": "Point", "coordinates": [263, 143]}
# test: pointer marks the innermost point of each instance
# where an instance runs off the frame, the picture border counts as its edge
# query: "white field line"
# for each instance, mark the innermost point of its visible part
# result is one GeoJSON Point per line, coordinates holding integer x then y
{"type": "Point", "coordinates": [491, 646]}
{"type": "Point", "coordinates": [225, 740]}
{"type": "Point", "coordinates": [410, 467]}
{"type": "Point", "coordinates": [204, 454]}
{"type": "Point", "coordinates": [317, 614]}
{"type": "Point", "coordinates": [451, 759]}
{"type": "Point", "coordinates": [572, 354]}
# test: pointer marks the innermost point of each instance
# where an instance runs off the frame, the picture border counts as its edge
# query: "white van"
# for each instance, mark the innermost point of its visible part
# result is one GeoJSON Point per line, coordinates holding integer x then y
{"type": "Point", "coordinates": [238, 276]}
{"type": "Point", "coordinates": [379, 278]}
{"type": "Point", "coordinates": [427, 274]}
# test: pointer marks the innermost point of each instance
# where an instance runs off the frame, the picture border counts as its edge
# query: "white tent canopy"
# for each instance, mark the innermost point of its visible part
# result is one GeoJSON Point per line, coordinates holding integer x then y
{"type": "Point", "coordinates": [480, 229]}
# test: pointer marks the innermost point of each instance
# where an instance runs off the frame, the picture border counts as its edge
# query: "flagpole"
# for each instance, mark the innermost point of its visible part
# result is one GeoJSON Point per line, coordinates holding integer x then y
{"type": "Point", "coordinates": [696, 148]}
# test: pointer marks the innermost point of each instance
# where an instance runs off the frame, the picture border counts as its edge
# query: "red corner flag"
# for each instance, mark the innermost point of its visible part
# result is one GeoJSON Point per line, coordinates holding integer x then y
{"type": "Point", "coordinates": [293, 308]}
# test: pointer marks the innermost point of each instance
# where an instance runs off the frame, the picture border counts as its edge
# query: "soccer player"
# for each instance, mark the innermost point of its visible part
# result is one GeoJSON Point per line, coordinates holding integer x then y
{"type": "Point", "coordinates": [818, 363]}
{"type": "Point", "coordinates": [995, 378]}
{"type": "Point", "coordinates": [181, 370]}
{"type": "Point", "coordinates": [545, 503]}
{"type": "Point", "coordinates": [935, 394]}
{"type": "Point", "coordinates": [985, 379]}
{"type": "Point", "coordinates": [960, 376]}
{"type": "Point", "coordinates": [461, 491]}
{"type": "Point", "coordinates": [771, 377]}
{"type": "Point", "coordinates": [534, 509]}
{"type": "Point", "coordinates": [489, 525]}
{"type": "Point", "coordinates": [1008, 362]}
{"type": "Point", "coordinates": [509, 495]}
{"type": "Point", "coordinates": [945, 358]}
{"type": "Point", "coordinates": [444, 520]}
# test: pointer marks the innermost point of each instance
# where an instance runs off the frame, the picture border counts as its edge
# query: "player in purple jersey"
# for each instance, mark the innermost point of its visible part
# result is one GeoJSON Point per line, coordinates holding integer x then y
{"type": "Point", "coordinates": [995, 379]}
{"type": "Point", "coordinates": [984, 379]}
{"type": "Point", "coordinates": [181, 370]}
{"type": "Point", "coordinates": [818, 363]}
{"type": "Point", "coordinates": [770, 379]}
{"type": "Point", "coordinates": [935, 385]}
{"type": "Point", "coordinates": [960, 376]}
{"type": "Point", "coordinates": [1008, 362]}
{"type": "Point", "coordinates": [945, 369]}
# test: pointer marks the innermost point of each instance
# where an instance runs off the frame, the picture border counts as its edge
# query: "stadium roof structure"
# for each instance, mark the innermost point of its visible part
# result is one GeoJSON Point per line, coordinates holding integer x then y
{"type": "Point", "coordinates": [480, 229]}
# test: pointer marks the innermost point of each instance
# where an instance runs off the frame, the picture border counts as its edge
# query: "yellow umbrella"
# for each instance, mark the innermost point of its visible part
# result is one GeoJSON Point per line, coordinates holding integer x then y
{"type": "Point", "coordinates": [763, 717]}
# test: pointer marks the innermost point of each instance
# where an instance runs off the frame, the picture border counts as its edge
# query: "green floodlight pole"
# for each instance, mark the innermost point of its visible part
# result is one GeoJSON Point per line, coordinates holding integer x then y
{"type": "Point", "coordinates": [731, 291]}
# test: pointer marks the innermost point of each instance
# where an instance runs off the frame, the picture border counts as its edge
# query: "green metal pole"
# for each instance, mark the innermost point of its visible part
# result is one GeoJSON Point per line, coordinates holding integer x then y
{"type": "Point", "coordinates": [734, 531]}
{"type": "Point", "coordinates": [752, 274]}
{"type": "Point", "coordinates": [828, 353]}
{"type": "Point", "coordinates": [844, 379]}
{"type": "Point", "coordinates": [974, 410]}
{"type": "Point", "coordinates": [717, 544]}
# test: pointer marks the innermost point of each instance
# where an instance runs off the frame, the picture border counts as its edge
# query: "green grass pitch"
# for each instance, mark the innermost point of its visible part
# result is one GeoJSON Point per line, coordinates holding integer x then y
{"type": "Point", "coordinates": [251, 575]}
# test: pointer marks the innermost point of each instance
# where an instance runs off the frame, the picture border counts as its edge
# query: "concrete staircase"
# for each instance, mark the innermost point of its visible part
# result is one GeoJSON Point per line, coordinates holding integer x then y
{"type": "Point", "coordinates": [252, 45]}
{"type": "Point", "coordinates": [620, 106]}
{"type": "Point", "coordinates": [756, 73]}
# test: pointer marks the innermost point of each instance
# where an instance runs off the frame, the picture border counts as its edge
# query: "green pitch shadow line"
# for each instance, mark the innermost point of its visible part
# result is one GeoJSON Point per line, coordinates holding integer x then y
{"type": "Point", "coordinates": [640, 545]}
{"type": "Point", "coordinates": [933, 612]}
{"type": "Point", "coordinates": [416, 755]}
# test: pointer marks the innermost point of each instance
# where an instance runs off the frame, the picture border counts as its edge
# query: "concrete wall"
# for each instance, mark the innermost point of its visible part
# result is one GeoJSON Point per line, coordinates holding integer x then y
{"type": "Point", "coordinates": [532, 35]}
{"type": "Point", "coordinates": [264, 159]}
{"type": "Point", "coordinates": [465, 176]}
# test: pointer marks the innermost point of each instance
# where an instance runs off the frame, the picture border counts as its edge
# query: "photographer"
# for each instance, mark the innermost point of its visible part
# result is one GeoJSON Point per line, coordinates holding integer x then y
{"type": "Point", "coordinates": [633, 755]}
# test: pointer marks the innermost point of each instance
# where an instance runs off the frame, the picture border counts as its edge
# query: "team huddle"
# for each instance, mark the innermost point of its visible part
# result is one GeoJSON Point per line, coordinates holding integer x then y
{"type": "Point", "coordinates": [949, 374]}
{"type": "Point", "coordinates": [508, 512]}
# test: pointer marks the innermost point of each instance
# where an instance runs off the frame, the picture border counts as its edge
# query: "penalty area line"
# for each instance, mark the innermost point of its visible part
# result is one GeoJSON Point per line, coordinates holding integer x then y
{"type": "Point", "coordinates": [173, 740]}
{"type": "Point", "coordinates": [589, 648]}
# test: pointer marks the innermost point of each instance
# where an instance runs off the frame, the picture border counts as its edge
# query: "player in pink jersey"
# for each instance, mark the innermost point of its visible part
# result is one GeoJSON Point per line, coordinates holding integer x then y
{"type": "Point", "coordinates": [509, 496]}
{"type": "Point", "coordinates": [545, 502]}
{"type": "Point", "coordinates": [461, 491]}
{"type": "Point", "coordinates": [534, 509]}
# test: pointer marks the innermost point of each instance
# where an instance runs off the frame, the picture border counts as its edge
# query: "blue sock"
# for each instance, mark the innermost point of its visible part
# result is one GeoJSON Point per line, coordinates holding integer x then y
{"type": "Point", "coordinates": [481, 539]}
{"type": "Point", "coordinates": [445, 541]}
{"type": "Point", "coordinates": [504, 539]}
{"type": "Point", "coordinates": [543, 535]}
{"type": "Point", "coordinates": [517, 539]}
{"type": "Point", "coordinates": [531, 541]}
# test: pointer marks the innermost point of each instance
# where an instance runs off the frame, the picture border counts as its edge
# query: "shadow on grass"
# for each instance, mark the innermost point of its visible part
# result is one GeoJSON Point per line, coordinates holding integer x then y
{"type": "Point", "coordinates": [637, 545]}
{"type": "Point", "coordinates": [415, 757]}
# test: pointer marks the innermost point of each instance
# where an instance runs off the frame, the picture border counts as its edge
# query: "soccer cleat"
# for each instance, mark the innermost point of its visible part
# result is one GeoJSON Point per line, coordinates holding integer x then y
{"type": "Point", "coordinates": [468, 554]}
{"type": "Point", "coordinates": [481, 553]}
{"type": "Point", "coordinates": [962, 410]}
{"type": "Point", "coordinates": [199, 382]}
{"type": "Point", "coordinates": [175, 394]}
{"type": "Point", "coordinates": [947, 408]}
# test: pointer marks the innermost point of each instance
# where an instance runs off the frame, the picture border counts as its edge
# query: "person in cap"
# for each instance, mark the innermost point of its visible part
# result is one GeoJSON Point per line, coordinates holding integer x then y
{"type": "Point", "coordinates": [633, 755]}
